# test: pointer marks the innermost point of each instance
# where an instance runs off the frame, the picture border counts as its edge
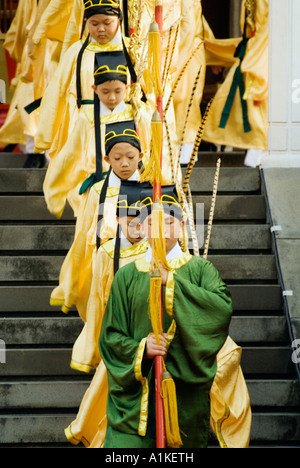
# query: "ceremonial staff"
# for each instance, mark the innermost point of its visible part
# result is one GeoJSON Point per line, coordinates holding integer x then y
{"type": "Point", "coordinates": [160, 420]}
{"type": "Point", "coordinates": [167, 428]}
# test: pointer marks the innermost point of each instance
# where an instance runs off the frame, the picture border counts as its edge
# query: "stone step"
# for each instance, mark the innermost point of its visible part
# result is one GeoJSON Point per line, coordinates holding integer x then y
{"type": "Point", "coordinates": [232, 179]}
{"type": "Point", "coordinates": [245, 208]}
{"type": "Point", "coordinates": [36, 237]}
{"type": "Point", "coordinates": [60, 237]}
{"type": "Point", "coordinates": [59, 394]}
{"type": "Point", "coordinates": [47, 268]}
{"type": "Point", "coordinates": [67, 394]}
{"type": "Point", "coordinates": [49, 428]}
{"type": "Point", "coordinates": [32, 331]}
{"type": "Point", "coordinates": [249, 297]}
{"type": "Point", "coordinates": [228, 158]}
{"type": "Point", "coordinates": [22, 180]}
{"type": "Point", "coordinates": [205, 158]}
{"type": "Point", "coordinates": [24, 208]}
{"type": "Point", "coordinates": [231, 207]}
{"type": "Point", "coordinates": [272, 360]}
{"type": "Point", "coordinates": [12, 160]}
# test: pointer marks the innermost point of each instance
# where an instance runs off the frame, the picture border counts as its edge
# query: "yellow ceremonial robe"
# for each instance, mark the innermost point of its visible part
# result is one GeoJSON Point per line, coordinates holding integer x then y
{"type": "Point", "coordinates": [13, 129]}
{"type": "Point", "coordinates": [54, 21]}
{"type": "Point", "coordinates": [255, 73]}
{"type": "Point", "coordinates": [76, 161]}
{"type": "Point", "coordinates": [59, 111]}
{"type": "Point", "coordinates": [86, 355]}
{"type": "Point", "coordinates": [231, 414]}
{"type": "Point", "coordinates": [76, 271]}
{"type": "Point", "coordinates": [36, 68]}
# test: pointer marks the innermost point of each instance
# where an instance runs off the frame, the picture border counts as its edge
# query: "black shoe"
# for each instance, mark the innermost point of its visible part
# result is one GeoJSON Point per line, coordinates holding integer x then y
{"type": "Point", "coordinates": [35, 161]}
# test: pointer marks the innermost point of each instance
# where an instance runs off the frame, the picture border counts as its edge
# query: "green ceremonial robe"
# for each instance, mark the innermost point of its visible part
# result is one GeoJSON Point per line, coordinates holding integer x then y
{"type": "Point", "coordinates": [197, 311]}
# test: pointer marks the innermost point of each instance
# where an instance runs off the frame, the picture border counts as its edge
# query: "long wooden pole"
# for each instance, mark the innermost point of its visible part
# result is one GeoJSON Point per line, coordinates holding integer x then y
{"type": "Point", "coordinates": [160, 419]}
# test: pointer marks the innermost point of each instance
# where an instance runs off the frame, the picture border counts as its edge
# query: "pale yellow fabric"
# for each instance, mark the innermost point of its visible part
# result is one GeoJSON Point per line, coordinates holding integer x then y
{"type": "Point", "coordinates": [255, 69]}
{"type": "Point", "coordinates": [90, 422]}
{"type": "Point", "coordinates": [85, 354]}
{"type": "Point", "coordinates": [76, 271]}
{"type": "Point", "coordinates": [231, 414]}
{"type": "Point", "coordinates": [187, 111]}
{"type": "Point", "coordinates": [76, 161]}
{"type": "Point", "coordinates": [54, 21]}
{"type": "Point", "coordinates": [36, 67]}
{"type": "Point", "coordinates": [16, 36]}
{"type": "Point", "coordinates": [12, 131]}
{"type": "Point", "coordinates": [219, 51]}
{"type": "Point", "coordinates": [74, 26]}
{"type": "Point", "coordinates": [59, 111]}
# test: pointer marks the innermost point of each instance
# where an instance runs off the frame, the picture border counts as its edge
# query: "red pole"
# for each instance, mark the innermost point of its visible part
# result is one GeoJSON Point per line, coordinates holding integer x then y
{"type": "Point", "coordinates": [160, 419]}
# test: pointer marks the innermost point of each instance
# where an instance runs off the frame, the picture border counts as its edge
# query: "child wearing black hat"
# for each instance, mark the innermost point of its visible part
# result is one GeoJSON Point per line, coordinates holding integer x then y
{"type": "Point", "coordinates": [71, 87]}
{"type": "Point", "coordinates": [128, 245]}
{"type": "Point", "coordinates": [76, 161]}
{"type": "Point", "coordinates": [96, 222]}
{"type": "Point", "coordinates": [197, 310]}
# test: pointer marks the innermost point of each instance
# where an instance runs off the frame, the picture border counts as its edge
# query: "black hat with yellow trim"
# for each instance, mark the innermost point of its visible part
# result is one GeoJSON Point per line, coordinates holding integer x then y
{"type": "Point", "coordinates": [121, 132]}
{"type": "Point", "coordinates": [129, 200]}
{"type": "Point", "coordinates": [110, 66]}
{"type": "Point", "coordinates": [168, 199]}
{"type": "Point", "coordinates": [128, 204]}
{"type": "Point", "coordinates": [101, 7]}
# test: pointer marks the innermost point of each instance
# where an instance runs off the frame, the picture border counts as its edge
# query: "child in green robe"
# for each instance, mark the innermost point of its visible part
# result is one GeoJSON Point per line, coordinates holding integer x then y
{"type": "Point", "coordinates": [197, 310]}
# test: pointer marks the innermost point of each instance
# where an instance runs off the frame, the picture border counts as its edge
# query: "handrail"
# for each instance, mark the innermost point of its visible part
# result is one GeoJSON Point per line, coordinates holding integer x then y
{"type": "Point", "coordinates": [279, 272]}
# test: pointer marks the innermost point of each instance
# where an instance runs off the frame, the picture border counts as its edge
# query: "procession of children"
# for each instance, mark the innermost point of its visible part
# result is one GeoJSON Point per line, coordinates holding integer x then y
{"type": "Point", "coordinates": [116, 129]}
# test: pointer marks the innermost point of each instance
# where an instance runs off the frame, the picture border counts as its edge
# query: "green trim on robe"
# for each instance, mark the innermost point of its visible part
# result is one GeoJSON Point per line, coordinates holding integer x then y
{"type": "Point", "coordinates": [202, 311]}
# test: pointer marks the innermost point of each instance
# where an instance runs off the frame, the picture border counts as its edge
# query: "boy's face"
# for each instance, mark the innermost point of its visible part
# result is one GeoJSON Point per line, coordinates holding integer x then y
{"type": "Point", "coordinates": [173, 230]}
{"type": "Point", "coordinates": [131, 228]}
{"type": "Point", "coordinates": [124, 159]}
{"type": "Point", "coordinates": [111, 93]}
{"type": "Point", "coordinates": [103, 28]}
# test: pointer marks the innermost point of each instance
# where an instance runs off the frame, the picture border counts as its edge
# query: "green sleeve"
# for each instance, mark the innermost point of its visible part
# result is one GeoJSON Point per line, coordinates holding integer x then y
{"type": "Point", "coordinates": [202, 310]}
{"type": "Point", "coordinates": [117, 345]}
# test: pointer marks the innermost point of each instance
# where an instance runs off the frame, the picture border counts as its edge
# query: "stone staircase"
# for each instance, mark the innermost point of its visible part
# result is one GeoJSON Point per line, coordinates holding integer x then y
{"type": "Point", "coordinates": [40, 393]}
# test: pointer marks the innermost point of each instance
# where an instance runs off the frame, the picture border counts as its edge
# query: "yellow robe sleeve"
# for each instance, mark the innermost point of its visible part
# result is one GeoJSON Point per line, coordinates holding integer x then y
{"type": "Point", "coordinates": [255, 77]}
{"type": "Point", "coordinates": [74, 25]}
{"type": "Point", "coordinates": [255, 64]}
{"type": "Point", "coordinates": [76, 271]}
{"type": "Point", "coordinates": [89, 426]}
{"type": "Point", "coordinates": [16, 36]}
{"type": "Point", "coordinates": [54, 102]}
{"type": "Point", "coordinates": [54, 21]}
{"type": "Point", "coordinates": [231, 414]}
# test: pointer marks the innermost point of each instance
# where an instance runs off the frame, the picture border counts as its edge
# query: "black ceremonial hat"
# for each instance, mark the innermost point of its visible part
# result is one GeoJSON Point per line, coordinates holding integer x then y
{"type": "Point", "coordinates": [169, 200]}
{"type": "Point", "coordinates": [110, 66]}
{"type": "Point", "coordinates": [101, 7]}
{"type": "Point", "coordinates": [121, 132]}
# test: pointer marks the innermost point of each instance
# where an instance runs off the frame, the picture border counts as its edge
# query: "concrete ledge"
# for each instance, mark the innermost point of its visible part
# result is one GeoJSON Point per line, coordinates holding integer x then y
{"type": "Point", "coordinates": [283, 197]}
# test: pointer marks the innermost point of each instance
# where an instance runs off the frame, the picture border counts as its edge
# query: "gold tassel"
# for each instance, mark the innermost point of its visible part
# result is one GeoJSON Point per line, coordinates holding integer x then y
{"type": "Point", "coordinates": [153, 169]}
{"type": "Point", "coordinates": [155, 303]}
{"type": "Point", "coordinates": [158, 236]}
{"type": "Point", "coordinates": [158, 260]}
{"type": "Point", "coordinates": [153, 79]}
{"type": "Point", "coordinates": [168, 394]}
